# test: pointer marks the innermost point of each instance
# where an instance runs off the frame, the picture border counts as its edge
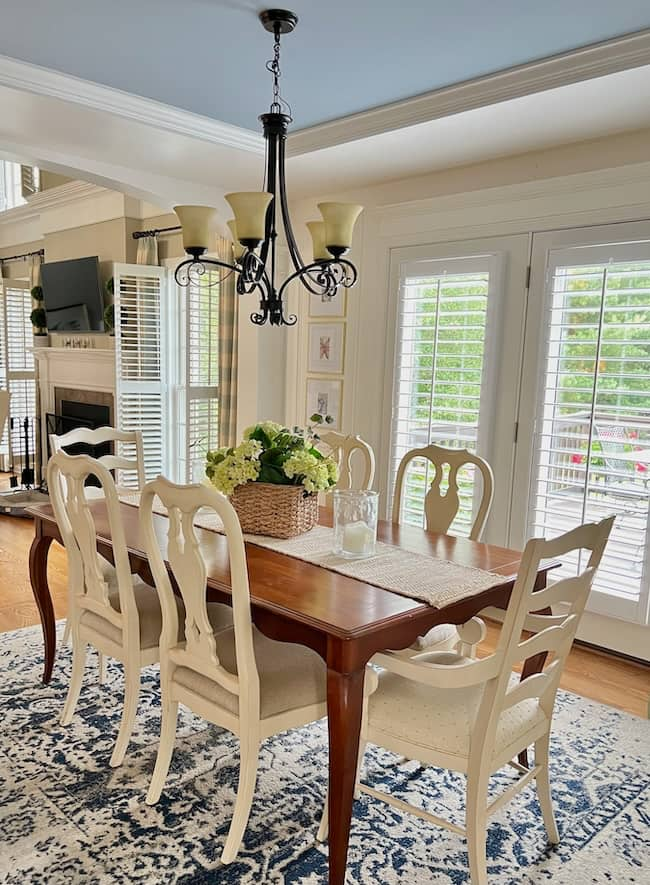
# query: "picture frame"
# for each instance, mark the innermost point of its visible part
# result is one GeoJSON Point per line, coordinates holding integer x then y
{"type": "Point", "coordinates": [324, 397]}
{"type": "Point", "coordinates": [321, 306]}
{"type": "Point", "coordinates": [326, 348]}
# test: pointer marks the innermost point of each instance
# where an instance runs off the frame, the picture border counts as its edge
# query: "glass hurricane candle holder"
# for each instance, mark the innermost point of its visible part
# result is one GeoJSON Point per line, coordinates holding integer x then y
{"type": "Point", "coordinates": [355, 523]}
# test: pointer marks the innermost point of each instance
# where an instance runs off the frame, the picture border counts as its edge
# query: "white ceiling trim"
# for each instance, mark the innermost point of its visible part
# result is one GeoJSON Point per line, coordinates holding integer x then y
{"type": "Point", "coordinates": [53, 198]}
{"type": "Point", "coordinates": [597, 60]}
{"type": "Point", "coordinates": [44, 81]}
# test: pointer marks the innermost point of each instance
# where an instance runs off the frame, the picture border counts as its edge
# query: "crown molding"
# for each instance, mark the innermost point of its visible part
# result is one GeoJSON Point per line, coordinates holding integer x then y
{"type": "Point", "coordinates": [28, 77]}
{"type": "Point", "coordinates": [596, 60]}
{"type": "Point", "coordinates": [54, 198]}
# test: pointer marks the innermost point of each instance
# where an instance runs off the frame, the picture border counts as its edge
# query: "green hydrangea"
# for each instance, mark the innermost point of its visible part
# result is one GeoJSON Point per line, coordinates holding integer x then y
{"type": "Point", "coordinates": [273, 454]}
{"type": "Point", "coordinates": [314, 473]}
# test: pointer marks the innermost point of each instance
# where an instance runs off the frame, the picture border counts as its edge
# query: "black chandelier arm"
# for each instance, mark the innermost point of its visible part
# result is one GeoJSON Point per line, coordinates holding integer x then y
{"type": "Point", "coordinates": [294, 251]}
{"type": "Point", "coordinates": [328, 275]}
{"type": "Point", "coordinates": [192, 269]}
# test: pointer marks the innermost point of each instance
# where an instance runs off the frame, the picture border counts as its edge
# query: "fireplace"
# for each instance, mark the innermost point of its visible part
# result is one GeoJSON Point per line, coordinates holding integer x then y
{"type": "Point", "coordinates": [81, 408]}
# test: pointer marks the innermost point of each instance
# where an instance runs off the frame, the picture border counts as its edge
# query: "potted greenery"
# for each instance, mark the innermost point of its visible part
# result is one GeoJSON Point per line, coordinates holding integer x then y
{"type": "Point", "coordinates": [38, 318]}
{"type": "Point", "coordinates": [273, 478]}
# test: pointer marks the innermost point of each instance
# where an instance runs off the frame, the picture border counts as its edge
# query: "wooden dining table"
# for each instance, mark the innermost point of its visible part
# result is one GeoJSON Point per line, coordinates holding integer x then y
{"type": "Point", "coordinates": [343, 619]}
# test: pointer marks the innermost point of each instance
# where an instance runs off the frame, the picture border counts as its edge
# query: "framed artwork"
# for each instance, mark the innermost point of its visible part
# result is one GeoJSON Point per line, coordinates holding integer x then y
{"type": "Point", "coordinates": [326, 342]}
{"type": "Point", "coordinates": [324, 398]}
{"type": "Point", "coordinates": [321, 306]}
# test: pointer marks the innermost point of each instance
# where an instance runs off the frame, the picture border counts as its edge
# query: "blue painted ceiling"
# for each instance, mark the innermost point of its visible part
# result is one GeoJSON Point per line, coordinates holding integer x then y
{"type": "Point", "coordinates": [346, 56]}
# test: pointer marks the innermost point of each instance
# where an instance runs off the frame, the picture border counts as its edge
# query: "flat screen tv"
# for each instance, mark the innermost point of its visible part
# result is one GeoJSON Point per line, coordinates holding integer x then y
{"type": "Point", "coordinates": [72, 292]}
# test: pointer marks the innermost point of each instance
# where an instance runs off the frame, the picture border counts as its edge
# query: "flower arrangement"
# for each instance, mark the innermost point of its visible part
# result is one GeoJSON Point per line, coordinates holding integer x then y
{"type": "Point", "coordinates": [271, 453]}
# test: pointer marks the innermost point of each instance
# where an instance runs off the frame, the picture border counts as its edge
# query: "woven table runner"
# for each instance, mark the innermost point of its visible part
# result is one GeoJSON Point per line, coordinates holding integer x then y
{"type": "Point", "coordinates": [437, 582]}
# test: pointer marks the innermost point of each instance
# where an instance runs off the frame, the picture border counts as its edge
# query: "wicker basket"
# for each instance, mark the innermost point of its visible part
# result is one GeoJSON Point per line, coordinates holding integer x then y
{"type": "Point", "coordinates": [275, 510]}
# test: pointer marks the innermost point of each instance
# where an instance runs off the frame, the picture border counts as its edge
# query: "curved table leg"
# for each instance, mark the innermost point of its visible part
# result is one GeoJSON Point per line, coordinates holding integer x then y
{"type": "Point", "coordinates": [38, 553]}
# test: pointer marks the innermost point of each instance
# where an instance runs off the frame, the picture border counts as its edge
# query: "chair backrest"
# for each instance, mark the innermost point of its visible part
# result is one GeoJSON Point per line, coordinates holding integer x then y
{"type": "Point", "coordinates": [66, 476]}
{"type": "Point", "coordinates": [440, 508]}
{"type": "Point", "coordinates": [344, 447]}
{"type": "Point", "coordinates": [185, 558]}
{"type": "Point", "coordinates": [552, 633]}
{"type": "Point", "coordinates": [132, 439]}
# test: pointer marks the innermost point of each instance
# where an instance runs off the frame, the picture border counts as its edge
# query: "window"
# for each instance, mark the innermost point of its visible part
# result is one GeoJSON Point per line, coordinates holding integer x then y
{"type": "Point", "coordinates": [202, 367]}
{"type": "Point", "coordinates": [141, 330]}
{"type": "Point", "coordinates": [16, 183]}
{"type": "Point", "coordinates": [592, 439]}
{"type": "Point", "coordinates": [17, 373]}
{"type": "Point", "coordinates": [442, 321]}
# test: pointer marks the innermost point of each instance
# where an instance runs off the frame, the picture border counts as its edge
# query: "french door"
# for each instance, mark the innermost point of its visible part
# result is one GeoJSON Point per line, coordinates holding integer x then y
{"type": "Point", "coordinates": [584, 420]}
{"type": "Point", "coordinates": [453, 352]}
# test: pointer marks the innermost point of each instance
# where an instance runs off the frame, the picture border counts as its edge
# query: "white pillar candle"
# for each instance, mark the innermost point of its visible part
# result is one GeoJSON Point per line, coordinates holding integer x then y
{"type": "Point", "coordinates": [357, 538]}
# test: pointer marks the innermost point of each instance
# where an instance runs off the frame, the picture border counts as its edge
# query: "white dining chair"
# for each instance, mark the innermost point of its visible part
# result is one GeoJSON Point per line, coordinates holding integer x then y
{"type": "Point", "coordinates": [351, 452]}
{"type": "Point", "coordinates": [236, 677]}
{"type": "Point", "coordinates": [131, 439]}
{"type": "Point", "coordinates": [122, 621]}
{"type": "Point", "coordinates": [476, 716]}
{"type": "Point", "coordinates": [440, 510]}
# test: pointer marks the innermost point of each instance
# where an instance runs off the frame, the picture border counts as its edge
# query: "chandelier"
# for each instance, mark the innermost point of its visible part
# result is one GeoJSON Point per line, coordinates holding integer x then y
{"type": "Point", "coordinates": [254, 227]}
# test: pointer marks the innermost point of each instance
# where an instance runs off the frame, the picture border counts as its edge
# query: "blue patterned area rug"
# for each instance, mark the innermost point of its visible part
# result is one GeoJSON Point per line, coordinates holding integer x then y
{"type": "Point", "coordinates": [66, 817]}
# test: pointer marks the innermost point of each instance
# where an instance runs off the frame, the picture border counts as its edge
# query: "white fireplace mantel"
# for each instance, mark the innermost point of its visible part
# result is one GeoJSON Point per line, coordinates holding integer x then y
{"type": "Point", "coordinates": [91, 369]}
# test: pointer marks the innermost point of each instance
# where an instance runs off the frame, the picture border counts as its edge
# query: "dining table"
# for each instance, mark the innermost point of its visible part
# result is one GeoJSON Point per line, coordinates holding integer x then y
{"type": "Point", "coordinates": [344, 619]}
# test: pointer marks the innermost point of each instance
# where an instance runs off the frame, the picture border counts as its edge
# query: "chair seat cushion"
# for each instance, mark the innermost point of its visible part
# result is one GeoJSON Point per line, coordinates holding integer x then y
{"type": "Point", "coordinates": [291, 676]}
{"type": "Point", "coordinates": [442, 635]}
{"type": "Point", "coordinates": [440, 719]}
{"type": "Point", "coordinates": [150, 615]}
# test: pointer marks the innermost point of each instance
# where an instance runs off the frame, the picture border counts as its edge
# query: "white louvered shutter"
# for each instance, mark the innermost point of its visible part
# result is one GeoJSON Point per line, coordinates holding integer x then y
{"type": "Point", "coordinates": [202, 372]}
{"type": "Point", "coordinates": [18, 370]}
{"type": "Point", "coordinates": [142, 362]}
{"type": "Point", "coordinates": [592, 428]}
{"type": "Point", "coordinates": [440, 368]}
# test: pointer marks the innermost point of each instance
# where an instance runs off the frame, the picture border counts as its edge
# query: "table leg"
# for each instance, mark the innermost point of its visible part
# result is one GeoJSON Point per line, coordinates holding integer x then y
{"type": "Point", "coordinates": [38, 575]}
{"type": "Point", "coordinates": [344, 707]}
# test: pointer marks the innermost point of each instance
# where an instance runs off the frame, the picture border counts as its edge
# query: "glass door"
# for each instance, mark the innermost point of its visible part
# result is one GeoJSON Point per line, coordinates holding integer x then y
{"type": "Point", "coordinates": [584, 442]}
{"type": "Point", "coordinates": [453, 341]}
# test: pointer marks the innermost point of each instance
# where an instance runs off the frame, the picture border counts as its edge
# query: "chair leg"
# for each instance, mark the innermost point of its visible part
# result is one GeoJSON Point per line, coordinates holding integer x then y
{"type": "Point", "coordinates": [101, 665]}
{"type": "Point", "coordinates": [544, 789]}
{"type": "Point", "coordinates": [165, 750]}
{"type": "Point", "coordinates": [66, 632]}
{"type": "Point", "coordinates": [79, 653]}
{"type": "Point", "coordinates": [131, 695]}
{"type": "Point", "coordinates": [476, 826]}
{"type": "Point", "coordinates": [248, 762]}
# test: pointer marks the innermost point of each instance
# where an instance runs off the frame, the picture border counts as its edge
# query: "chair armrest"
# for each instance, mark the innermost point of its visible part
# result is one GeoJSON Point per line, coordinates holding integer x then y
{"type": "Point", "coordinates": [469, 672]}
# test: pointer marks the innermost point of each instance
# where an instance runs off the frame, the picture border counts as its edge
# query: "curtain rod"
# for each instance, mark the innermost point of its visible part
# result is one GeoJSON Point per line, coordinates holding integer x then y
{"type": "Point", "coordinates": [40, 252]}
{"type": "Point", "coordinates": [141, 234]}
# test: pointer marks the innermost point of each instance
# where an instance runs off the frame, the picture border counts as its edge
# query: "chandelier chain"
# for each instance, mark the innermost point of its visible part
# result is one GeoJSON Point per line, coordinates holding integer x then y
{"type": "Point", "coordinates": [279, 105]}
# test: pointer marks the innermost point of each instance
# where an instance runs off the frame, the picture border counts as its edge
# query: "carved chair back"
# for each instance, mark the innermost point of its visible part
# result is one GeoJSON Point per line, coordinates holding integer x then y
{"type": "Point", "coordinates": [89, 589]}
{"type": "Point", "coordinates": [131, 440]}
{"type": "Point", "coordinates": [189, 570]}
{"type": "Point", "coordinates": [440, 507]}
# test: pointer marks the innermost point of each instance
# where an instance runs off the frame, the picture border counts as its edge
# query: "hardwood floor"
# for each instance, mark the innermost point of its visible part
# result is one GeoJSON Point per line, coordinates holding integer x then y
{"type": "Point", "coordinates": [596, 675]}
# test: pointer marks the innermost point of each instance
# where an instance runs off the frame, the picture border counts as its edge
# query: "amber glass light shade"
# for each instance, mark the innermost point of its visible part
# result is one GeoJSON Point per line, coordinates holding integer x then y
{"type": "Point", "coordinates": [339, 221]}
{"type": "Point", "coordinates": [198, 223]}
{"type": "Point", "coordinates": [317, 231]}
{"type": "Point", "coordinates": [237, 249]}
{"type": "Point", "coordinates": [250, 215]}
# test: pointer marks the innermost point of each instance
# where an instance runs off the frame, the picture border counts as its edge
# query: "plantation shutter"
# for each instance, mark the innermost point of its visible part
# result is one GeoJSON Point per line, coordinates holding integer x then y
{"type": "Point", "coordinates": [29, 181]}
{"type": "Point", "coordinates": [142, 362]}
{"type": "Point", "coordinates": [592, 428]}
{"type": "Point", "coordinates": [440, 369]}
{"type": "Point", "coordinates": [202, 371]}
{"type": "Point", "coordinates": [17, 371]}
